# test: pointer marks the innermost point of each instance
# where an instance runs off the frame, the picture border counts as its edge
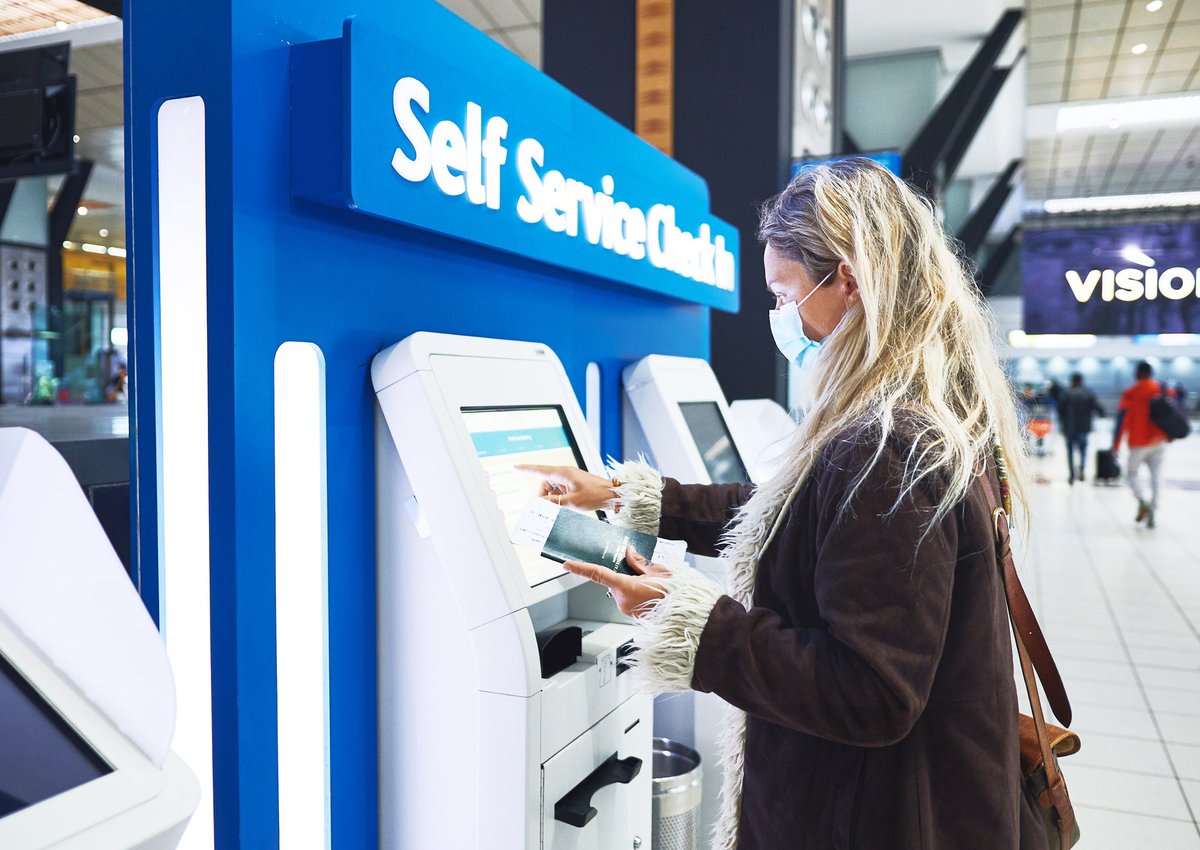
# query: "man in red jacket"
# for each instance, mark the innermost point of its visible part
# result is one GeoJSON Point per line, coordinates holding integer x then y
{"type": "Point", "coordinates": [1147, 442]}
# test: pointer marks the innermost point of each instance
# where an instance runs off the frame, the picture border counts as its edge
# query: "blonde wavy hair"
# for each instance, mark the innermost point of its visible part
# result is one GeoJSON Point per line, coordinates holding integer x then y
{"type": "Point", "coordinates": [919, 340]}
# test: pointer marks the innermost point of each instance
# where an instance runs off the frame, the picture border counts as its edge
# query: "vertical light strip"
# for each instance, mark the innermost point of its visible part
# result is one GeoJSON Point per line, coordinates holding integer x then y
{"type": "Point", "coordinates": [591, 400]}
{"type": "Point", "coordinates": [301, 612]}
{"type": "Point", "coordinates": [183, 441]}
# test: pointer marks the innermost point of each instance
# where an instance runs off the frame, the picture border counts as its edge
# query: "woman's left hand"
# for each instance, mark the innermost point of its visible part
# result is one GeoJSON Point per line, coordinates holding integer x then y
{"type": "Point", "coordinates": [631, 593]}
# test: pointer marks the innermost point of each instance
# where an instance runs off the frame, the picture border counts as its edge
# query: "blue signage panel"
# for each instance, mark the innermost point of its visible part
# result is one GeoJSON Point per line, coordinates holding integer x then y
{"type": "Point", "coordinates": [1121, 280]}
{"type": "Point", "coordinates": [390, 121]}
{"type": "Point", "coordinates": [888, 159]}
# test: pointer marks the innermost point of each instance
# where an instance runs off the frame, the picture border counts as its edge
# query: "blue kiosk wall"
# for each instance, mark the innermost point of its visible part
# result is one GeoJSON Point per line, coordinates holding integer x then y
{"type": "Point", "coordinates": [281, 269]}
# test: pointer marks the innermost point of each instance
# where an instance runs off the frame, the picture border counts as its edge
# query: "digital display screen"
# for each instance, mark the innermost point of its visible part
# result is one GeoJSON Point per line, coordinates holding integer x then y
{"type": "Point", "coordinates": [508, 437]}
{"type": "Point", "coordinates": [41, 756]}
{"type": "Point", "coordinates": [1124, 279]}
{"type": "Point", "coordinates": [714, 441]}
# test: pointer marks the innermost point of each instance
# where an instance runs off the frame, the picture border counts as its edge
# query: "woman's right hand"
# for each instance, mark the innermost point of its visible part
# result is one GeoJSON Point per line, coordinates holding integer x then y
{"type": "Point", "coordinates": [572, 487]}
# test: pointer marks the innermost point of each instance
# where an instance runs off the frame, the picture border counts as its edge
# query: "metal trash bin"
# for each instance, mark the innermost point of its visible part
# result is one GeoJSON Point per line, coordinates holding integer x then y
{"type": "Point", "coordinates": [677, 796]}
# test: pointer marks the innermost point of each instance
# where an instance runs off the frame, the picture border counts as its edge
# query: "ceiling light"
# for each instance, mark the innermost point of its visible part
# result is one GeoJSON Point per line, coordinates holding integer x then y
{"type": "Point", "coordinates": [1139, 48]}
{"type": "Point", "coordinates": [1122, 202]}
{"type": "Point", "coordinates": [82, 210]}
{"type": "Point", "coordinates": [103, 231]}
{"type": "Point", "coordinates": [70, 246]}
{"type": "Point", "coordinates": [93, 249]}
{"type": "Point", "coordinates": [62, 25]}
{"type": "Point", "coordinates": [76, 137]}
{"type": "Point", "coordinates": [1159, 110]}
{"type": "Point", "coordinates": [1154, 5]}
{"type": "Point", "coordinates": [116, 252]}
{"type": "Point", "coordinates": [1136, 255]}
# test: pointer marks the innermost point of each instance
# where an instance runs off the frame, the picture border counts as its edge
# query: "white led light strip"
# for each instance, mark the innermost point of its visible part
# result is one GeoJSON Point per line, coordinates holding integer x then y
{"type": "Point", "coordinates": [183, 441]}
{"type": "Point", "coordinates": [301, 612]}
{"type": "Point", "coordinates": [1105, 203]}
{"type": "Point", "coordinates": [1129, 113]}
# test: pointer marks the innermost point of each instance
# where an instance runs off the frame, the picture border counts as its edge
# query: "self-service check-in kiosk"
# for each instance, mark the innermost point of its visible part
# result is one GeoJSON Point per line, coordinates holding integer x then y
{"type": "Point", "coordinates": [764, 429]}
{"type": "Point", "coordinates": [505, 719]}
{"type": "Point", "coordinates": [676, 415]}
{"type": "Point", "coordinates": [87, 701]}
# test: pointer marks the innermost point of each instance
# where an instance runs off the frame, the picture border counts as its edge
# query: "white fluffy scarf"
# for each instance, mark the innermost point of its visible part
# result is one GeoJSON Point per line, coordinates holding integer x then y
{"type": "Point", "coordinates": [669, 634]}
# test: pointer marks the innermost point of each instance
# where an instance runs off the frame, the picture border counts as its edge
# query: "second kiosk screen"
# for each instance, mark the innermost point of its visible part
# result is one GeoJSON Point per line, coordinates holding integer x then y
{"type": "Point", "coordinates": [714, 441]}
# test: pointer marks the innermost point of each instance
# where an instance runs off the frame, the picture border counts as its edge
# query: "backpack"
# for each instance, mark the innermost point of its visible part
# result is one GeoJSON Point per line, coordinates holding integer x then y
{"type": "Point", "coordinates": [1166, 414]}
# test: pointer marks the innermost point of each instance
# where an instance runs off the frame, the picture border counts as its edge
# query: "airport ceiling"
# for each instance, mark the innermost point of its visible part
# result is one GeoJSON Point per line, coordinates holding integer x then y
{"type": "Point", "coordinates": [1128, 52]}
{"type": "Point", "coordinates": [22, 16]}
{"type": "Point", "coordinates": [1078, 51]}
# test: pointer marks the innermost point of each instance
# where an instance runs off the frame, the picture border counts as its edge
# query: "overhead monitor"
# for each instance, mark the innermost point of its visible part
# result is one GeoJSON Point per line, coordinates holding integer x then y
{"type": "Point", "coordinates": [711, 433]}
{"type": "Point", "coordinates": [507, 437]}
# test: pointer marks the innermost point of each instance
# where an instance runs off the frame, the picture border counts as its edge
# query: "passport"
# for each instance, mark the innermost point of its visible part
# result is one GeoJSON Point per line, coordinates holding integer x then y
{"type": "Point", "coordinates": [564, 534]}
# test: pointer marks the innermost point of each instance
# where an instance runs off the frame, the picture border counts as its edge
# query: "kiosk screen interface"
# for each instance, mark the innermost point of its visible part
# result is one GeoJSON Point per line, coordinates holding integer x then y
{"type": "Point", "coordinates": [505, 438]}
{"type": "Point", "coordinates": [40, 755]}
{"type": "Point", "coordinates": [712, 438]}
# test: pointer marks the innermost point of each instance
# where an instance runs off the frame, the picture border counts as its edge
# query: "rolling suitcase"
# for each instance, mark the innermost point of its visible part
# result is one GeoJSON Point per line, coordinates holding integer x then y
{"type": "Point", "coordinates": [1107, 468]}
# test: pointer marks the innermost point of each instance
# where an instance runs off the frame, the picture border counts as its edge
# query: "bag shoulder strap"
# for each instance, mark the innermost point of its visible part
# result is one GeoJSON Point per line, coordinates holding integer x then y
{"type": "Point", "coordinates": [1025, 623]}
{"type": "Point", "coordinates": [1004, 559]}
{"type": "Point", "coordinates": [1055, 794]}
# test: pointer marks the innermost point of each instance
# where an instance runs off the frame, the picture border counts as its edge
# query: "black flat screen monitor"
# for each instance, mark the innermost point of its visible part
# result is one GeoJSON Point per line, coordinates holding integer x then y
{"type": "Point", "coordinates": [41, 756]}
{"type": "Point", "coordinates": [714, 441]}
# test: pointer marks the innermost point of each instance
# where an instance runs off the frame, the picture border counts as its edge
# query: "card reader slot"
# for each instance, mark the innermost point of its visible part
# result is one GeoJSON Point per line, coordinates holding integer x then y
{"type": "Point", "coordinates": [575, 808]}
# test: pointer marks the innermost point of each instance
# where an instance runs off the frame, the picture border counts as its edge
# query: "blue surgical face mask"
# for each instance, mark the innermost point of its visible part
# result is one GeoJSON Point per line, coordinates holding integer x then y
{"type": "Point", "coordinates": [788, 329]}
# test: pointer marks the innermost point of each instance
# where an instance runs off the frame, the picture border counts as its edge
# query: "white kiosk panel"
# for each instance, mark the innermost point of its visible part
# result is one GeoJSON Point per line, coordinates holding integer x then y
{"type": "Point", "coordinates": [474, 729]}
{"type": "Point", "coordinates": [765, 429]}
{"type": "Point", "coordinates": [677, 415]}
{"type": "Point", "coordinates": [85, 757]}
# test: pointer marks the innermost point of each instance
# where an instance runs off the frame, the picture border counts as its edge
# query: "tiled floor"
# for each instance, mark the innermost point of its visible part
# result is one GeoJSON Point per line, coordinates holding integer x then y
{"type": "Point", "coordinates": [1120, 605]}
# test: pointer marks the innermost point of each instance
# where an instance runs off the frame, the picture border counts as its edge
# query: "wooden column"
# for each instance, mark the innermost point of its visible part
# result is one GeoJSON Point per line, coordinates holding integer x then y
{"type": "Point", "coordinates": [654, 118]}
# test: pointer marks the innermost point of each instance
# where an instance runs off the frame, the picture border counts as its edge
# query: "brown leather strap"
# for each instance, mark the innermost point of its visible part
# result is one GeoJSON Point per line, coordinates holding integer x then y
{"type": "Point", "coordinates": [1029, 640]}
{"type": "Point", "coordinates": [1019, 603]}
{"type": "Point", "coordinates": [1024, 621]}
{"type": "Point", "coordinates": [1049, 763]}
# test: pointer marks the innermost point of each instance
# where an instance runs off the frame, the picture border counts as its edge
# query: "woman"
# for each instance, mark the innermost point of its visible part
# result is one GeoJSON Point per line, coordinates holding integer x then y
{"type": "Point", "coordinates": [863, 633]}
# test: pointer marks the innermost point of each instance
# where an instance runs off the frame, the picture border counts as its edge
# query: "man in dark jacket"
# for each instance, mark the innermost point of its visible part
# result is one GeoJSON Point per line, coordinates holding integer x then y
{"type": "Point", "coordinates": [1076, 406]}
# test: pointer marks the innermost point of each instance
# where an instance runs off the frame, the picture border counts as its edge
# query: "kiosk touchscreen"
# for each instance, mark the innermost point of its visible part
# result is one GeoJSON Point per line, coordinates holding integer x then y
{"type": "Point", "coordinates": [86, 697]}
{"type": "Point", "coordinates": [505, 720]}
{"type": "Point", "coordinates": [712, 438]}
{"type": "Point", "coordinates": [507, 437]}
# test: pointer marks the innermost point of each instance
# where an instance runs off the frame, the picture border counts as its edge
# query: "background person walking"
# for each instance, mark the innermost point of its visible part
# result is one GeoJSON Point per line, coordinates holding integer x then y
{"type": "Point", "coordinates": [1076, 406]}
{"type": "Point", "coordinates": [1147, 442]}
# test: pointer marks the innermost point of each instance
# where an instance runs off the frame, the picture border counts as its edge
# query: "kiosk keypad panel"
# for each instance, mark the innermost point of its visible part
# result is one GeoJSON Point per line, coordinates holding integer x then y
{"type": "Point", "coordinates": [506, 437]}
{"type": "Point", "coordinates": [714, 441]}
{"type": "Point", "coordinates": [41, 756]}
